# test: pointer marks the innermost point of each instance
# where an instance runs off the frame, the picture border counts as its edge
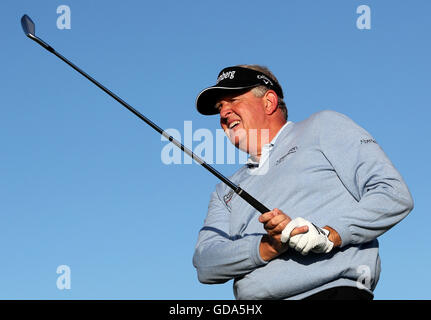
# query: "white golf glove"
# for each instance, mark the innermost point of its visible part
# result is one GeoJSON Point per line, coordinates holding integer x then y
{"type": "Point", "coordinates": [314, 240]}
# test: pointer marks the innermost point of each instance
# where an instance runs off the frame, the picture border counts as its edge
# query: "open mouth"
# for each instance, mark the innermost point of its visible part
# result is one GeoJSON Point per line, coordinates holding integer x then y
{"type": "Point", "coordinates": [233, 124]}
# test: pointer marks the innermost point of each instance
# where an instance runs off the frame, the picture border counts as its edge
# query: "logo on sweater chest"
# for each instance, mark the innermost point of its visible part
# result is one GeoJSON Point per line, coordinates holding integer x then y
{"type": "Point", "coordinates": [365, 141]}
{"type": "Point", "coordinates": [291, 150]}
{"type": "Point", "coordinates": [227, 199]}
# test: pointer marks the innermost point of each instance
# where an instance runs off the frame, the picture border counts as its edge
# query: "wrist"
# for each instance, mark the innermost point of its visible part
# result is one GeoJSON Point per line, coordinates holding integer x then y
{"type": "Point", "coordinates": [333, 236]}
{"type": "Point", "coordinates": [266, 250]}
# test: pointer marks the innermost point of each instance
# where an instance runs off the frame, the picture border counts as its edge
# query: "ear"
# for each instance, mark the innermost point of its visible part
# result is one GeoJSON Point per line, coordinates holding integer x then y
{"type": "Point", "coordinates": [271, 102]}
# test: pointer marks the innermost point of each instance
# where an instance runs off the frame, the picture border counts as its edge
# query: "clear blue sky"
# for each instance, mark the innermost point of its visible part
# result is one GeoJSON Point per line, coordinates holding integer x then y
{"type": "Point", "coordinates": [81, 179]}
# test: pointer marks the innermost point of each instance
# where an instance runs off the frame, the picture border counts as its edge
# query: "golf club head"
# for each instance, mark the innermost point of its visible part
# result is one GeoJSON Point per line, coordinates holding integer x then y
{"type": "Point", "coordinates": [28, 26]}
{"type": "Point", "coordinates": [29, 30]}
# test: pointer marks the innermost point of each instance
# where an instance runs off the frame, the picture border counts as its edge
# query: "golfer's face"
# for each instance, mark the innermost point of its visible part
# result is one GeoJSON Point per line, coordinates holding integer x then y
{"type": "Point", "coordinates": [241, 117]}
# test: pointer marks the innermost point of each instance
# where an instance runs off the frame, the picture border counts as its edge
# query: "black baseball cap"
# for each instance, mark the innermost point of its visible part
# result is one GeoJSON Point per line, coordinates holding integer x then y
{"type": "Point", "coordinates": [232, 80]}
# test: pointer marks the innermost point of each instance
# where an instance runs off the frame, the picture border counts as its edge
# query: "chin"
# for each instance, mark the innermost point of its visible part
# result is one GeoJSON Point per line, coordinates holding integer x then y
{"type": "Point", "coordinates": [240, 143]}
{"type": "Point", "coordinates": [239, 139]}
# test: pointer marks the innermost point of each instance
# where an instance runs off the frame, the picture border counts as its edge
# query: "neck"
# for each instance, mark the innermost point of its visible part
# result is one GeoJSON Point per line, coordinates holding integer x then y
{"type": "Point", "coordinates": [265, 136]}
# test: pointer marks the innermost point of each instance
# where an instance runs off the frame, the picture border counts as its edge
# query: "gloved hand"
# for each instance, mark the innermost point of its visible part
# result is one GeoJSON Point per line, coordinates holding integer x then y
{"type": "Point", "coordinates": [314, 240]}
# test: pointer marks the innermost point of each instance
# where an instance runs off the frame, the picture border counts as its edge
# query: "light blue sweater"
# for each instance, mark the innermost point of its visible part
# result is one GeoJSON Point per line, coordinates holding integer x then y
{"type": "Point", "coordinates": [327, 170]}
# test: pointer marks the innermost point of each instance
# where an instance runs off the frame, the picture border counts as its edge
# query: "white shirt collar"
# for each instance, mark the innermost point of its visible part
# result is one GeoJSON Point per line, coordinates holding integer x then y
{"type": "Point", "coordinates": [266, 148]}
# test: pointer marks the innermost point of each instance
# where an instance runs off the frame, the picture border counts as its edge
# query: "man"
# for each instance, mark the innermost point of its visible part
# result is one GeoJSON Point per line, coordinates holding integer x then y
{"type": "Point", "coordinates": [333, 190]}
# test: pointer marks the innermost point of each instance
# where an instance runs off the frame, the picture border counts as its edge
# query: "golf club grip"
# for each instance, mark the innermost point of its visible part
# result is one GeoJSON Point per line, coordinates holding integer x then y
{"type": "Point", "coordinates": [251, 200]}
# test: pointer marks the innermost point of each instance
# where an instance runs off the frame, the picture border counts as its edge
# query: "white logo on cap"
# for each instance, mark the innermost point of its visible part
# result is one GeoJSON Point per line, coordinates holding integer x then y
{"type": "Point", "coordinates": [225, 75]}
{"type": "Point", "coordinates": [265, 79]}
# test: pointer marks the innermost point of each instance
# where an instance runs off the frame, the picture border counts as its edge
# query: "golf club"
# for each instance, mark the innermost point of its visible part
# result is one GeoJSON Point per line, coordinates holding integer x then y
{"type": "Point", "coordinates": [29, 30]}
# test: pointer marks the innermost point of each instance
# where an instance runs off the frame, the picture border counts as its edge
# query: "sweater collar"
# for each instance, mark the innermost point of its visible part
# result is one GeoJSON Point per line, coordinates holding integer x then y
{"type": "Point", "coordinates": [266, 149]}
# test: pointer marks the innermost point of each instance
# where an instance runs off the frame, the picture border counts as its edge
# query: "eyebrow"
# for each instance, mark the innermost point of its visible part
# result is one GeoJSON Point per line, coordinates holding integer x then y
{"type": "Point", "coordinates": [231, 98]}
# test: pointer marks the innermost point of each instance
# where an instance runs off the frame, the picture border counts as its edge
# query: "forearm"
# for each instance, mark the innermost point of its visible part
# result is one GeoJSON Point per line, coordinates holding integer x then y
{"type": "Point", "coordinates": [267, 249]}
{"type": "Point", "coordinates": [374, 215]}
{"type": "Point", "coordinates": [220, 261]}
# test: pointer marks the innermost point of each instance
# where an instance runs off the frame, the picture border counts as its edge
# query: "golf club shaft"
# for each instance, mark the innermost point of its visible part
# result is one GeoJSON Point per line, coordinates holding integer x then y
{"type": "Point", "coordinates": [247, 197]}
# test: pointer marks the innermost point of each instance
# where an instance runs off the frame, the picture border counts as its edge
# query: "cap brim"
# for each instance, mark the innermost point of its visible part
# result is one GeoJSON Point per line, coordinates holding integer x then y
{"type": "Point", "coordinates": [207, 99]}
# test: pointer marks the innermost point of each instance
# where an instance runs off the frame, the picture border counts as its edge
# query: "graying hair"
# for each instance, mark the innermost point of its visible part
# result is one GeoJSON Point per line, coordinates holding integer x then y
{"type": "Point", "coordinates": [261, 90]}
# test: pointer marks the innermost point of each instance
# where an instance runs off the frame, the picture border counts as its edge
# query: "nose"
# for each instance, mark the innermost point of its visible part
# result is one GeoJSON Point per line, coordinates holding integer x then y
{"type": "Point", "coordinates": [225, 110]}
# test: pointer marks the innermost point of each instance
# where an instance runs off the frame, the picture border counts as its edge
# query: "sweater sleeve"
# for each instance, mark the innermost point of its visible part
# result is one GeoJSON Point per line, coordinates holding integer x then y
{"type": "Point", "coordinates": [382, 197]}
{"type": "Point", "coordinates": [219, 257]}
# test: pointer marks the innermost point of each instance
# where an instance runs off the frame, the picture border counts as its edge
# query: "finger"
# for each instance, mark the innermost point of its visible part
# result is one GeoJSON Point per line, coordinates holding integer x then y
{"type": "Point", "coordinates": [310, 245]}
{"type": "Point", "coordinates": [285, 234]}
{"type": "Point", "coordinates": [299, 230]}
{"type": "Point", "coordinates": [267, 216]}
{"type": "Point", "coordinates": [302, 244]}
{"type": "Point", "coordinates": [275, 221]}
{"type": "Point", "coordinates": [270, 214]}
{"type": "Point", "coordinates": [293, 241]}
{"type": "Point", "coordinates": [278, 211]}
{"type": "Point", "coordinates": [281, 226]}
